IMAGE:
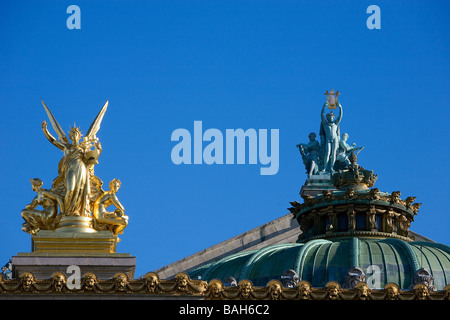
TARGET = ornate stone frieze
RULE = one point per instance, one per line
(151, 286)
(351, 212)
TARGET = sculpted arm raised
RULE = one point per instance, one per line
(340, 112)
(60, 132)
(51, 138)
(322, 115)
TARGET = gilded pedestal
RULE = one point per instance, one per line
(74, 242)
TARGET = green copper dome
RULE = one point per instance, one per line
(319, 261)
(349, 234)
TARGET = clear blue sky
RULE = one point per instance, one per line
(230, 64)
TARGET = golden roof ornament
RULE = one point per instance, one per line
(354, 176)
(332, 98)
(76, 201)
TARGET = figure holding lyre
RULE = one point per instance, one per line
(329, 134)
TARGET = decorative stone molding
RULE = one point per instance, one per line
(354, 176)
(354, 212)
(150, 286)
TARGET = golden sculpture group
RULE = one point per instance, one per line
(76, 191)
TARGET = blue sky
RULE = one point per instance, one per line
(231, 64)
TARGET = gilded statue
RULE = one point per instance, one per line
(76, 191)
(116, 221)
(36, 219)
(73, 173)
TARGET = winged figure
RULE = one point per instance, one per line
(75, 172)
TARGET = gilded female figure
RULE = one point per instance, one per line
(73, 181)
(40, 219)
(115, 221)
(73, 171)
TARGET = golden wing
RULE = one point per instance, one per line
(95, 126)
(59, 131)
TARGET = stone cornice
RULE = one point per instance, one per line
(182, 287)
(385, 214)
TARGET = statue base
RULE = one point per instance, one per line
(74, 235)
(74, 242)
(55, 242)
(75, 225)
(316, 184)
